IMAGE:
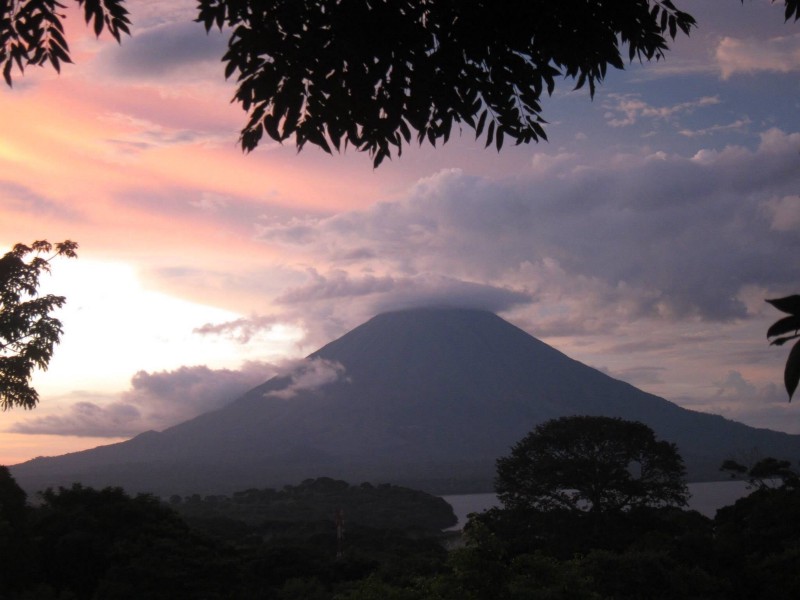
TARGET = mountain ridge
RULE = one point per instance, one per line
(428, 397)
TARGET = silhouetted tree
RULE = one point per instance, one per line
(14, 540)
(383, 506)
(643, 573)
(764, 473)
(106, 544)
(374, 74)
(28, 332)
(593, 464)
(757, 544)
(12, 499)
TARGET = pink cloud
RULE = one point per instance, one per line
(778, 55)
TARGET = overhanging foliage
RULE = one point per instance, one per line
(375, 74)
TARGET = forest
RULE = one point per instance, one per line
(327, 539)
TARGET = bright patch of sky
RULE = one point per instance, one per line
(113, 318)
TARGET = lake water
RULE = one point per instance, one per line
(705, 498)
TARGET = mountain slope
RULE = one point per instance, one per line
(425, 397)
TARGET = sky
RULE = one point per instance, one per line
(641, 239)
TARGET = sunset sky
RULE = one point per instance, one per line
(641, 239)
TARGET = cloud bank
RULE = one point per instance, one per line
(174, 49)
(740, 399)
(154, 401)
(641, 236)
(747, 56)
(161, 399)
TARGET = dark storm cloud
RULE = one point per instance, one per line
(383, 294)
(87, 418)
(198, 388)
(326, 305)
(154, 401)
(693, 231)
(172, 48)
(165, 398)
(444, 291)
(642, 236)
(337, 284)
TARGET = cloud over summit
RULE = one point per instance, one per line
(671, 237)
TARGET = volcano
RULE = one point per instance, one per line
(428, 398)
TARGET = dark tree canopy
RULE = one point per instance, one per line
(28, 332)
(12, 499)
(587, 463)
(765, 473)
(383, 506)
(374, 74)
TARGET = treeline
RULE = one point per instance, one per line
(382, 506)
(80, 543)
(749, 551)
(319, 539)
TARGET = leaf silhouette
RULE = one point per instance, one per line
(789, 304)
(784, 325)
(791, 325)
(782, 340)
(791, 374)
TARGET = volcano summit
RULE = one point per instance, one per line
(428, 398)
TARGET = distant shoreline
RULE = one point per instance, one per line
(706, 498)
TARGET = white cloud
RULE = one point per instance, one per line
(243, 329)
(784, 213)
(737, 125)
(777, 55)
(551, 164)
(738, 398)
(777, 143)
(628, 109)
(307, 374)
(211, 202)
(136, 135)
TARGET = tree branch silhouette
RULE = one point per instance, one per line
(28, 331)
